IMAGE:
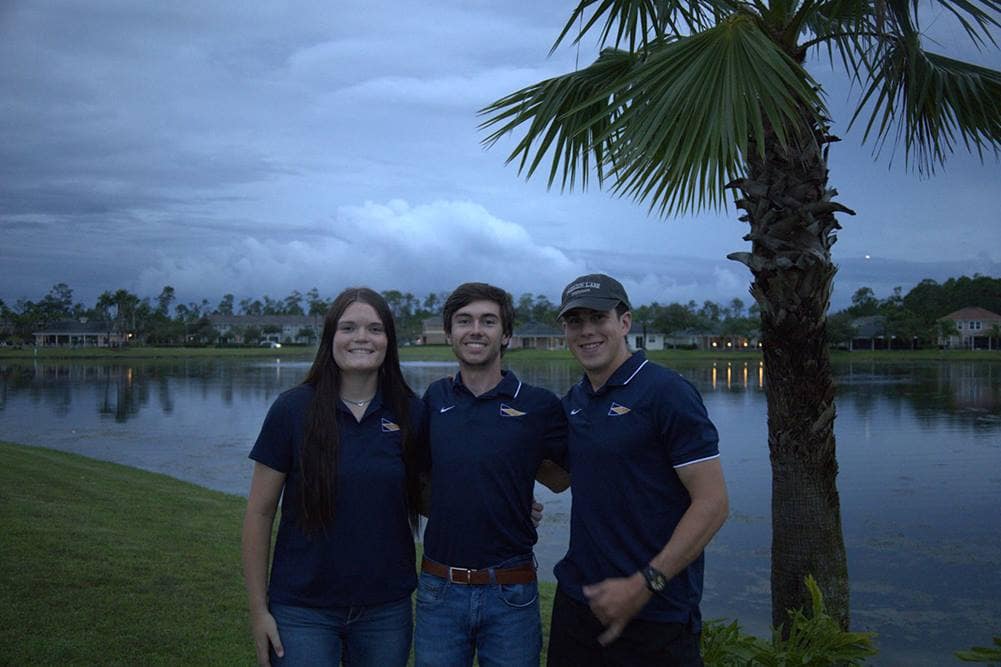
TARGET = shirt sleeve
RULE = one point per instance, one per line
(274, 443)
(686, 430)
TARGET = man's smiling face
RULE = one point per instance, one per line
(478, 334)
(596, 338)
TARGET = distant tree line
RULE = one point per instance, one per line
(163, 321)
(913, 318)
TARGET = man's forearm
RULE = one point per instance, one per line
(705, 514)
(697, 527)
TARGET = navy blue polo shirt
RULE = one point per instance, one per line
(367, 557)
(484, 454)
(625, 442)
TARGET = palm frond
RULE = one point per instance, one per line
(845, 28)
(671, 129)
(569, 114)
(690, 109)
(637, 22)
(931, 103)
(978, 17)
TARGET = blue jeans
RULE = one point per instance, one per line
(378, 636)
(500, 623)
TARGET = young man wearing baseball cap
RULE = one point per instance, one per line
(648, 495)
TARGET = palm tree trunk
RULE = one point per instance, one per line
(789, 208)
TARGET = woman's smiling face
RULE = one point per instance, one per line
(360, 340)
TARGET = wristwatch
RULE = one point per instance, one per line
(655, 579)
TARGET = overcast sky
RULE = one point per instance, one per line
(262, 147)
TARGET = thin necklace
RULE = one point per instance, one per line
(360, 404)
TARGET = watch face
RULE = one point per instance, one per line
(654, 579)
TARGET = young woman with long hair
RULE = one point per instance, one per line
(338, 450)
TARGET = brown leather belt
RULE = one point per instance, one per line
(519, 574)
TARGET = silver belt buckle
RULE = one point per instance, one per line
(467, 573)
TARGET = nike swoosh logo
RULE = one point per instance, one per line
(444, 410)
(575, 411)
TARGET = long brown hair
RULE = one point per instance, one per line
(320, 447)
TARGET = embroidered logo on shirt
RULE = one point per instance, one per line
(575, 411)
(507, 411)
(617, 410)
(388, 426)
(446, 409)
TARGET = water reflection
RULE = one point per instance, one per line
(965, 394)
(969, 391)
(727, 376)
(123, 391)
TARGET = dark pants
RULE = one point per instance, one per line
(573, 640)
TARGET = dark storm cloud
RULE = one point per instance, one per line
(82, 136)
(262, 147)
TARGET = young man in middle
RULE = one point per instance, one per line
(489, 435)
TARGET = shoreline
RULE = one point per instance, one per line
(444, 353)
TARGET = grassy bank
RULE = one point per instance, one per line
(105, 564)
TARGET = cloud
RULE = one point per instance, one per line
(418, 248)
(669, 278)
(198, 143)
(472, 91)
(381, 39)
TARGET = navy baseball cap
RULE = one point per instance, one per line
(595, 291)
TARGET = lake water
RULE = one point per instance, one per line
(919, 445)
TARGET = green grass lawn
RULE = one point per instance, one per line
(105, 564)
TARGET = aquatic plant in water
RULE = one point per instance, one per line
(815, 639)
(982, 653)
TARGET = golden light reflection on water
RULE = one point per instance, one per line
(740, 379)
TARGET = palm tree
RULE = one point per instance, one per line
(126, 304)
(995, 336)
(692, 98)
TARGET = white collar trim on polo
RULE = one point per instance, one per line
(636, 371)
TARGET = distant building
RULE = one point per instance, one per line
(651, 339)
(303, 329)
(77, 333)
(868, 333)
(432, 331)
(537, 336)
(709, 341)
(974, 328)
(685, 339)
